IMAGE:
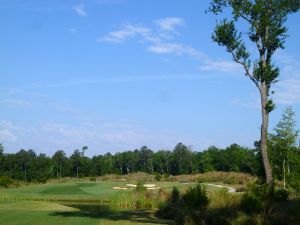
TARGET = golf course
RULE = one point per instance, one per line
(84, 203)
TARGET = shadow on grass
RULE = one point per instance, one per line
(98, 212)
(279, 213)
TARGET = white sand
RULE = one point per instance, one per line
(131, 185)
(119, 188)
(153, 188)
(149, 185)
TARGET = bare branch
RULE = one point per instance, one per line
(248, 73)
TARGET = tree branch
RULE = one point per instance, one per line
(248, 73)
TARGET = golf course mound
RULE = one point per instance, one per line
(36, 206)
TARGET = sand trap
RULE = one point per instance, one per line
(149, 185)
(123, 179)
(153, 188)
(120, 188)
(131, 185)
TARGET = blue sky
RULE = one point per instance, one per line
(118, 74)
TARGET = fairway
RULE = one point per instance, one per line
(75, 203)
(48, 213)
(102, 190)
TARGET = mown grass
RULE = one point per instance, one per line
(48, 213)
(68, 201)
(73, 191)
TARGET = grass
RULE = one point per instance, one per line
(48, 213)
(70, 202)
(73, 191)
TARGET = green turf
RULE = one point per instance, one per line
(100, 189)
(17, 207)
(47, 213)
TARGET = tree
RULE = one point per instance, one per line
(84, 149)
(182, 159)
(266, 30)
(1, 155)
(76, 160)
(283, 142)
(59, 158)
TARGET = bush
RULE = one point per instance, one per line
(157, 176)
(175, 196)
(196, 198)
(166, 176)
(93, 179)
(262, 192)
(188, 209)
(140, 186)
(5, 181)
(281, 195)
(42, 180)
(250, 204)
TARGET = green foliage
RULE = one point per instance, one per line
(140, 186)
(157, 176)
(283, 151)
(281, 195)
(196, 198)
(185, 209)
(93, 179)
(175, 196)
(250, 203)
(5, 181)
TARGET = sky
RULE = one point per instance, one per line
(115, 75)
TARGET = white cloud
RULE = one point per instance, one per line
(287, 90)
(221, 65)
(18, 102)
(6, 132)
(169, 23)
(73, 30)
(159, 43)
(250, 103)
(126, 31)
(80, 10)
(7, 136)
(175, 48)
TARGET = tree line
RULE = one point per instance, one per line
(27, 165)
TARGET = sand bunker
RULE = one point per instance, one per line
(133, 186)
(120, 188)
(149, 185)
(153, 188)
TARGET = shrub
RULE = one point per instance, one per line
(5, 181)
(140, 186)
(157, 176)
(281, 195)
(166, 176)
(42, 179)
(196, 198)
(250, 204)
(93, 179)
(262, 192)
(175, 196)
(241, 189)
